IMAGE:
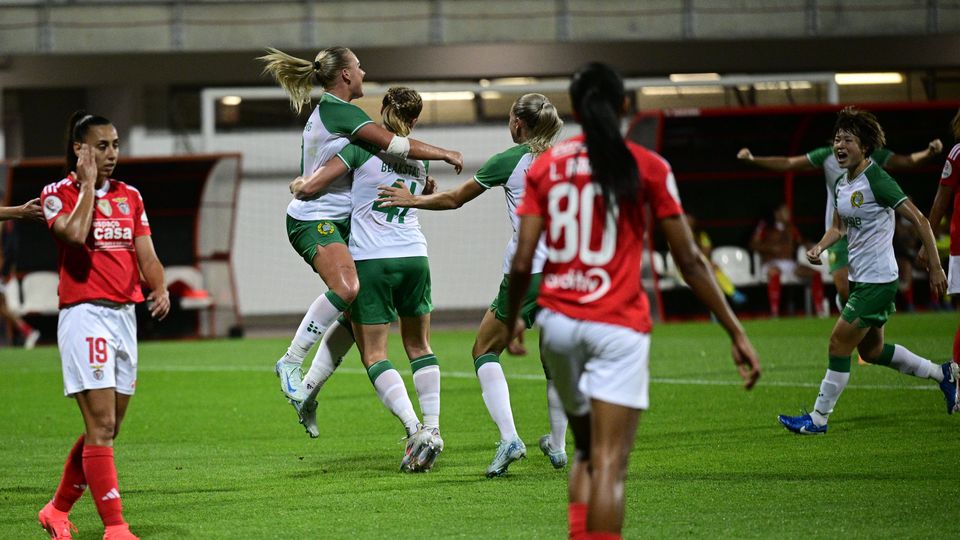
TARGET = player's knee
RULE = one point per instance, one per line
(102, 432)
(347, 290)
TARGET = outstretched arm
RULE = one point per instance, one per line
(376, 135)
(933, 148)
(29, 210)
(698, 274)
(444, 200)
(776, 163)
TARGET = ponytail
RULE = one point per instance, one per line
(77, 127)
(297, 76)
(597, 93)
(401, 106)
(541, 118)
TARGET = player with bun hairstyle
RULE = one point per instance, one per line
(866, 199)
(103, 239)
(534, 124)
(589, 193)
(318, 228)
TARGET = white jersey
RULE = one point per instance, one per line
(866, 206)
(509, 170)
(824, 158)
(383, 232)
(332, 125)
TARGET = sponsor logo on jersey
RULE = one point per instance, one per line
(947, 170)
(326, 228)
(595, 282)
(104, 206)
(309, 126)
(856, 199)
(143, 219)
(111, 232)
(52, 206)
(122, 205)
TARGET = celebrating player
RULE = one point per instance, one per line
(534, 124)
(391, 260)
(866, 198)
(948, 189)
(104, 244)
(589, 194)
(318, 228)
(824, 158)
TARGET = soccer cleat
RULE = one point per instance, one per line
(291, 379)
(801, 424)
(414, 446)
(507, 453)
(30, 341)
(951, 373)
(558, 458)
(307, 411)
(55, 522)
(431, 449)
(119, 532)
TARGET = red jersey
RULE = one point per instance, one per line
(593, 262)
(105, 266)
(951, 177)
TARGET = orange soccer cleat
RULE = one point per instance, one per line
(55, 522)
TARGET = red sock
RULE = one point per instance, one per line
(956, 346)
(102, 477)
(73, 482)
(603, 535)
(816, 292)
(577, 520)
(24, 328)
(773, 293)
(908, 294)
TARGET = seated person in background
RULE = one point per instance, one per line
(777, 240)
(706, 247)
(11, 243)
(906, 243)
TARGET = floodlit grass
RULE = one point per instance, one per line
(209, 448)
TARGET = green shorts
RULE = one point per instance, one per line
(870, 304)
(392, 287)
(837, 255)
(530, 308)
(305, 236)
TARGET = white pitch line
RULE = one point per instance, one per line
(538, 377)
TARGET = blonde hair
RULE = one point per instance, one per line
(541, 118)
(401, 106)
(298, 76)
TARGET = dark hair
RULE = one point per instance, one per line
(955, 125)
(597, 93)
(77, 128)
(864, 126)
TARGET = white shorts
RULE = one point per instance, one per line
(953, 275)
(98, 348)
(593, 360)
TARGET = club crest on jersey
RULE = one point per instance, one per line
(98, 374)
(326, 228)
(122, 205)
(104, 206)
(52, 206)
(947, 170)
(856, 199)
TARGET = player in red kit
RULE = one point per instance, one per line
(589, 194)
(949, 192)
(104, 244)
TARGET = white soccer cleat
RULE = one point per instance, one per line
(307, 411)
(558, 458)
(291, 379)
(507, 453)
(30, 341)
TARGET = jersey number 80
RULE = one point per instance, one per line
(564, 202)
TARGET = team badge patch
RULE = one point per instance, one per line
(856, 199)
(52, 206)
(104, 206)
(947, 170)
(122, 205)
(98, 374)
(326, 228)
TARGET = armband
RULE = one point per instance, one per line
(399, 146)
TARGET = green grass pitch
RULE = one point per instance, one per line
(209, 448)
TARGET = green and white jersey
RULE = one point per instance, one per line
(509, 170)
(824, 158)
(866, 206)
(383, 233)
(332, 125)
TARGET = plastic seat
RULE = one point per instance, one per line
(734, 261)
(39, 290)
(186, 283)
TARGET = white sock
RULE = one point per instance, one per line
(906, 362)
(830, 388)
(322, 314)
(496, 396)
(336, 343)
(393, 393)
(558, 418)
(426, 380)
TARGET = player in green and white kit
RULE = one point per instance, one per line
(866, 200)
(824, 158)
(390, 254)
(534, 124)
(318, 226)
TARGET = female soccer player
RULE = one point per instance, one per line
(318, 228)
(589, 194)
(390, 254)
(866, 199)
(949, 191)
(534, 124)
(104, 244)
